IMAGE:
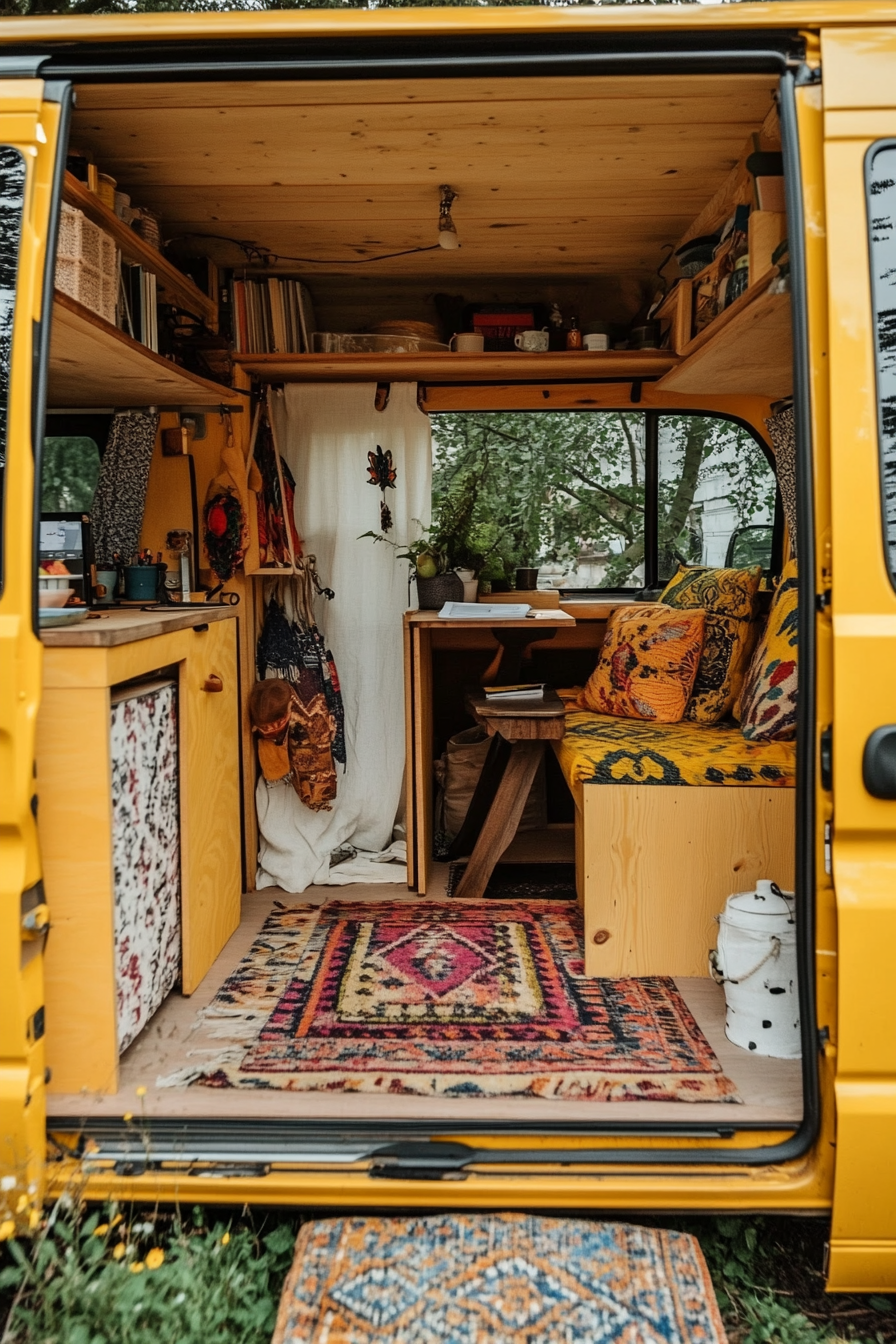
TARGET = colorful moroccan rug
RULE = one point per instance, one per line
(523, 882)
(505, 1278)
(453, 999)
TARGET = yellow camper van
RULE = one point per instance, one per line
(258, 271)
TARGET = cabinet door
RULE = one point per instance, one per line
(210, 797)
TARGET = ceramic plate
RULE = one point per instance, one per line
(53, 617)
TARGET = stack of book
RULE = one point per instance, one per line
(138, 307)
(272, 317)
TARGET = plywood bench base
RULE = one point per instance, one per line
(655, 865)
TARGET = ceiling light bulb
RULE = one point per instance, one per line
(447, 232)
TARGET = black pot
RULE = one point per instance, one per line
(526, 580)
(434, 593)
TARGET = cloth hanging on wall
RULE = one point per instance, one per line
(782, 432)
(120, 498)
(325, 432)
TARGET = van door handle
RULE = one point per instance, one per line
(213, 683)
(879, 763)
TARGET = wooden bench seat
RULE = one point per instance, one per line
(670, 820)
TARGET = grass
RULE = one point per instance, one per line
(132, 1277)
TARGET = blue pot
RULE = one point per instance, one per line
(141, 582)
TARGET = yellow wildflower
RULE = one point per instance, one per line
(119, 1251)
(34, 1219)
(225, 1239)
(21, 1204)
(155, 1258)
(117, 1219)
(127, 1117)
(137, 1267)
(7, 1229)
(101, 1230)
(141, 1091)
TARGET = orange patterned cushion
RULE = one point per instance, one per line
(647, 665)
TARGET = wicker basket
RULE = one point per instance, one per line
(87, 263)
(434, 593)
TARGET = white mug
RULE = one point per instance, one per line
(467, 343)
(532, 341)
(597, 340)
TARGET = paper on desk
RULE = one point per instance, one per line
(484, 611)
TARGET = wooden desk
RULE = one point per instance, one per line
(424, 634)
(526, 725)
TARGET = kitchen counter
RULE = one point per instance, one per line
(108, 629)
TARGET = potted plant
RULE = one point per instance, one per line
(451, 553)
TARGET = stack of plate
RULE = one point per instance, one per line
(402, 327)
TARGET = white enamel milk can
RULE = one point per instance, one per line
(755, 961)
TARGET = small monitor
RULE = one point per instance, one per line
(67, 537)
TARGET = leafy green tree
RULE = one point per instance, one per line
(69, 473)
(559, 483)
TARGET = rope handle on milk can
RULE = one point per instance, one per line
(721, 979)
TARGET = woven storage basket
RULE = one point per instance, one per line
(87, 263)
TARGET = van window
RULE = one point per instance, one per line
(881, 191)
(70, 468)
(569, 491)
(716, 495)
(560, 489)
(12, 199)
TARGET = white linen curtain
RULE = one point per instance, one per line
(325, 431)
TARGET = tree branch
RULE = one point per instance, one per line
(605, 490)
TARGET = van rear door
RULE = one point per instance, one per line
(860, 173)
(33, 128)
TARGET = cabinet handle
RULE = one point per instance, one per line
(213, 683)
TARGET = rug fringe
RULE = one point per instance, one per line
(194, 1073)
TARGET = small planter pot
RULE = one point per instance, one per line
(470, 582)
(142, 582)
(434, 593)
(526, 580)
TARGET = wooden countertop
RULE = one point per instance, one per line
(124, 626)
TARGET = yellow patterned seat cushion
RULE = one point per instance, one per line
(601, 749)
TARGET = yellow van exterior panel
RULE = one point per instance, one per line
(861, 1266)
(28, 124)
(865, 1183)
(858, 66)
(432, 22)
(800, 1187)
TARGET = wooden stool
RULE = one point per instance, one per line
(519, 730)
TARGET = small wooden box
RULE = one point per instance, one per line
(766, 230)
(676, 311)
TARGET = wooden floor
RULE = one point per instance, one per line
(770, 1088)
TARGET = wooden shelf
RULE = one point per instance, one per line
(575, 366)
(747, 349)
(92, 363)
(177, 287)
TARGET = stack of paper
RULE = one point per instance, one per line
(484, 611)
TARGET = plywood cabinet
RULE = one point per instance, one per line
(74, 785)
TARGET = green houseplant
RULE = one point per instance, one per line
(454, 541)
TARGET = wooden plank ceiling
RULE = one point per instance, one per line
(555, 177)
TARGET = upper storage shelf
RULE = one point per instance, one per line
(92, 363)
(748, 348)
(573, 366)
(177, 288)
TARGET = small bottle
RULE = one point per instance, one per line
(573, 336)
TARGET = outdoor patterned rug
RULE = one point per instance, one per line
(504, 1278)
(523, 881)
(455, 999)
